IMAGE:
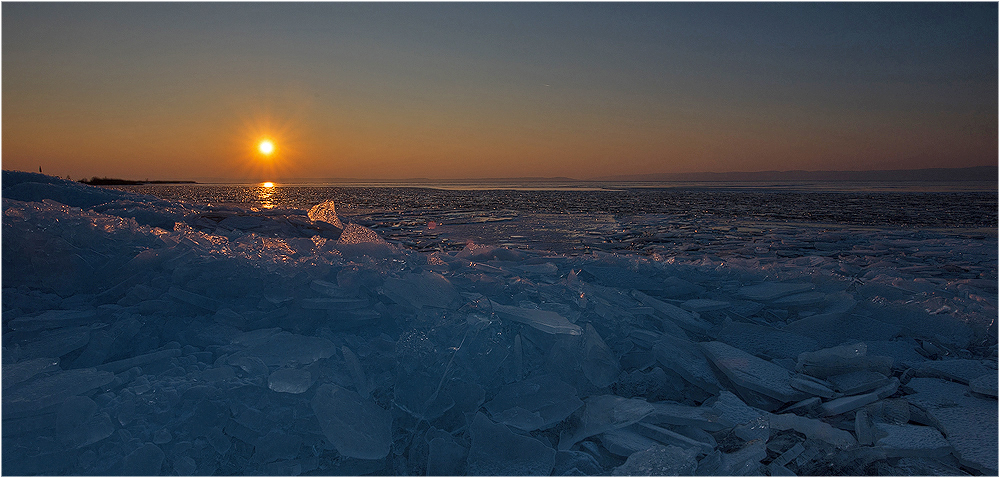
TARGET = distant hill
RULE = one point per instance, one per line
(979, 173)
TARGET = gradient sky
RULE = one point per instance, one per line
(457, 90)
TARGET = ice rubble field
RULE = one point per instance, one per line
(145, 337)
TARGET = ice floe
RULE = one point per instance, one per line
(143, 336)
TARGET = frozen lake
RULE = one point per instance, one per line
(531, 330)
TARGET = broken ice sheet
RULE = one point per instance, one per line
(600, 365)
(428, 289)
(498, 451)
(911, 440)
(544, 320)
(659, 460)
(545, 396)
(358, 428)
(605, 412)
(687, 360)
(968, 422)
(36, 395)
(751, 372)
(290, 380)
(15, 373)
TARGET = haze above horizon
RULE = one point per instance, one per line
(457, 90)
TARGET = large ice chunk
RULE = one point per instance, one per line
(53, 319)
(544, 320)
(852, 402)
(968, 422)
(959, 370)
(680, 317)
(704, 417)
(985, 384)
(911, 440)
(752, 373)
(326, 212)
(54, 343)
(858, 381)
(600, 365)
(659, 460)
(812, 428)
(688, 361)
(78, 424)
(357, 427)
(290, 380)
(842, 359)
(54, 389)
(15, 373)
(428, 289)
(535, 403)
(605, 412)
(497, 451)
(145, 461)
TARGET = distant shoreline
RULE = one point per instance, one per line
(978, 173)
(95, 181)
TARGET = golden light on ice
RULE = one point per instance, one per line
(266, 147)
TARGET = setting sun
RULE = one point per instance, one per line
(266, 147)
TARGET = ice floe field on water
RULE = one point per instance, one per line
(406, 331)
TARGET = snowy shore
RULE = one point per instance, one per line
(145, 337)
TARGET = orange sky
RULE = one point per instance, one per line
(393, 91)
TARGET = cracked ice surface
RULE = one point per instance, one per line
(153, 336)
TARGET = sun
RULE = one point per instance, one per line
(266, 147)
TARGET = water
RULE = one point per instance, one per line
(571, 217)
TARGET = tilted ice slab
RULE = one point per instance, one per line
(15, 373)
(752, 373)
(682, 318)
(687, 360)
(969, 423)
(959, 370)
(44, 392)
(985, 384)
(605, 412)
(357, 427)
(814, 429)
(535, 403)
(659, 460)
(544, 320)
(498, 451)
(428, 289)
(52, 319)
(911, 440)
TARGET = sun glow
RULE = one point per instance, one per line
(268, 184)
(266, 147)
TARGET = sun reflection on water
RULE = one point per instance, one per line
(264, 194)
